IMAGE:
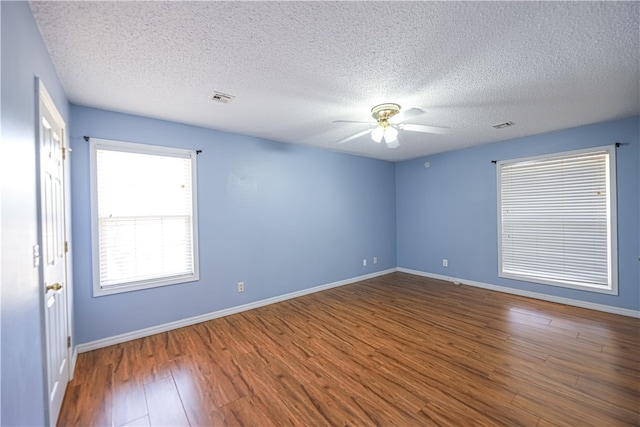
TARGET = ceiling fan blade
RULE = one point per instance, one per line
(352, 137)
(353, 121)
(403, 116)
(426, 129)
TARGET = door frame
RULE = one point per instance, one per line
(41, 94)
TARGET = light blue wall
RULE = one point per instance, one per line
(450, 209)
(23, 58)
(279, 217)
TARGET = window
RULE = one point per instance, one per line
(556, 220)
(144, 224)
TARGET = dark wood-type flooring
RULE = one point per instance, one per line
(397, 350)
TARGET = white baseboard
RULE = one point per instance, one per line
(545, 297)
(117, 339)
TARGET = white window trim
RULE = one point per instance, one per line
(612, 241)
(105, 144)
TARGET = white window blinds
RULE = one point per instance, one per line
(144, 219)
(556, 220)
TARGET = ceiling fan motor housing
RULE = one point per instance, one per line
(383, 112)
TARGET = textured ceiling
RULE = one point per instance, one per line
(295, 67)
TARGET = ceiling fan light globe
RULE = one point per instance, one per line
(390, 134)
(392, 144)
(377, 134)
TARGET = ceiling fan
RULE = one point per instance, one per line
(387, 129)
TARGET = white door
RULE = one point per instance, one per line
(52, 217)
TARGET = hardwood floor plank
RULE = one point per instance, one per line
(165, 406)
(128, 398)
(206, 342)
(140, 422)
(602, 372)
(611, 393)
(397, 350)
(334, 407)
(547, 345)
(224, 386)
(369, 408)
(516, 374)
(455, 413)
(250, 412)
(267, 386)
(129, 403)
(377, 396)
(565, 411)
(89, 402)
(194, 390)
(152, 363)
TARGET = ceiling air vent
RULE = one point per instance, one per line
(222, 97)
(503, 125)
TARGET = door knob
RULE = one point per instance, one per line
(55, 287)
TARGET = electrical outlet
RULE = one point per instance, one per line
(375, 259)
(445, 263)
(364, 262)
(240, 286)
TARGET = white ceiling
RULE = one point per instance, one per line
(295, 67)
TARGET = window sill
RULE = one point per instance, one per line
(100, 291)
(613, 290)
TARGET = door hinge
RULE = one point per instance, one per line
(66, 246)
(68, 342)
